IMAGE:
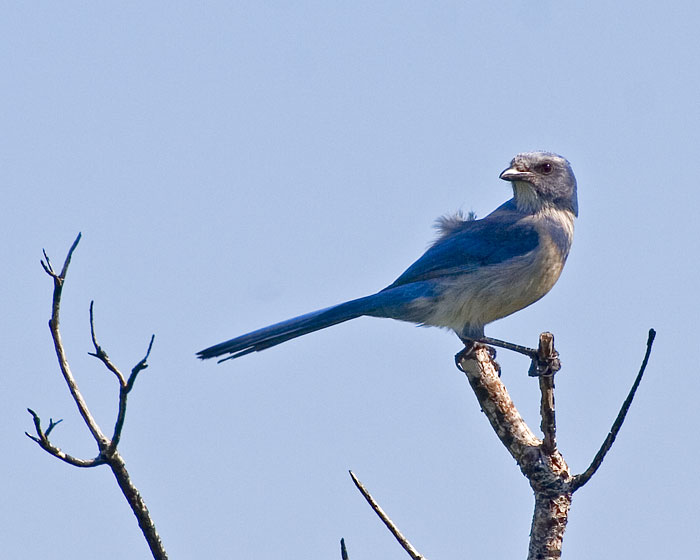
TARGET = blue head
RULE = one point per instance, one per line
(542, 180)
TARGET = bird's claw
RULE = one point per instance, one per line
(544, 366)
(468, 353)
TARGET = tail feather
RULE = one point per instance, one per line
(286, 330)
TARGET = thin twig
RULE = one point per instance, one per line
(99, 353)
(52, 425)
(343, 551)
(581, 479)
(123, 394)
(403, 541)
(140, 366)
(42, 438)
(125, 386)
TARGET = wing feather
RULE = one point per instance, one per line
(466, 246)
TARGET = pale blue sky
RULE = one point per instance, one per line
(234, 164)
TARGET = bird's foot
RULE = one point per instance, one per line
(547, 365)
(541, 364)
(469, 350)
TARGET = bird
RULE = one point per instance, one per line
(475, 272)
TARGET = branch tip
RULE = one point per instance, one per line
(139, 366)
(545, 362)
(70, 255)
(581, 479)
(150, 346)
(48, 267)
(52, 425)
(403, 541)
(46, 264)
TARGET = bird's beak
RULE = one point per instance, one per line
(514, 174)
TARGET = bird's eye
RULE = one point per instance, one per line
(546, 168)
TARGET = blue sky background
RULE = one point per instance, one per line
(234, 164)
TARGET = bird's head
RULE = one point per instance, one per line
(541, 180)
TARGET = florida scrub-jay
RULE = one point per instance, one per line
(476, 271)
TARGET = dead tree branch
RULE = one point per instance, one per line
(107, 448)
(539, 460)
(546, 355)
(42, 438)
(58, 280)
(403, 541)
(581, 479)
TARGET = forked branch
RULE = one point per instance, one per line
(42, 438)
(539, 460)
(107, 448)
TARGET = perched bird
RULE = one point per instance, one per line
(476, 271)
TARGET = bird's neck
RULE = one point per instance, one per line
(526, 200)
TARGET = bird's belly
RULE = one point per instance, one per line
(492, 292)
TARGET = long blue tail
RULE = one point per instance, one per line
(291, 328)
(395, 302)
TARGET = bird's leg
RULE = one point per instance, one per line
(471, 346)
(530, 352)
(541, 364)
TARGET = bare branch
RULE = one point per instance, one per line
(99, 353)
(108, 453)
(548, 424)
(548, 525)
(138, 506)
(46, 265)
(581, 479)
(52, 425)
(60, 351)
(123, 394)
(49, 268)
(496, 403)
(403, 541)
(343, 551)
(545, 468)
(125, 385)
(42, 438)
(140, 366)
(545, 355)
(70, 255)
(546, 359)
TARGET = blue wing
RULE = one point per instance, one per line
(470, 244)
